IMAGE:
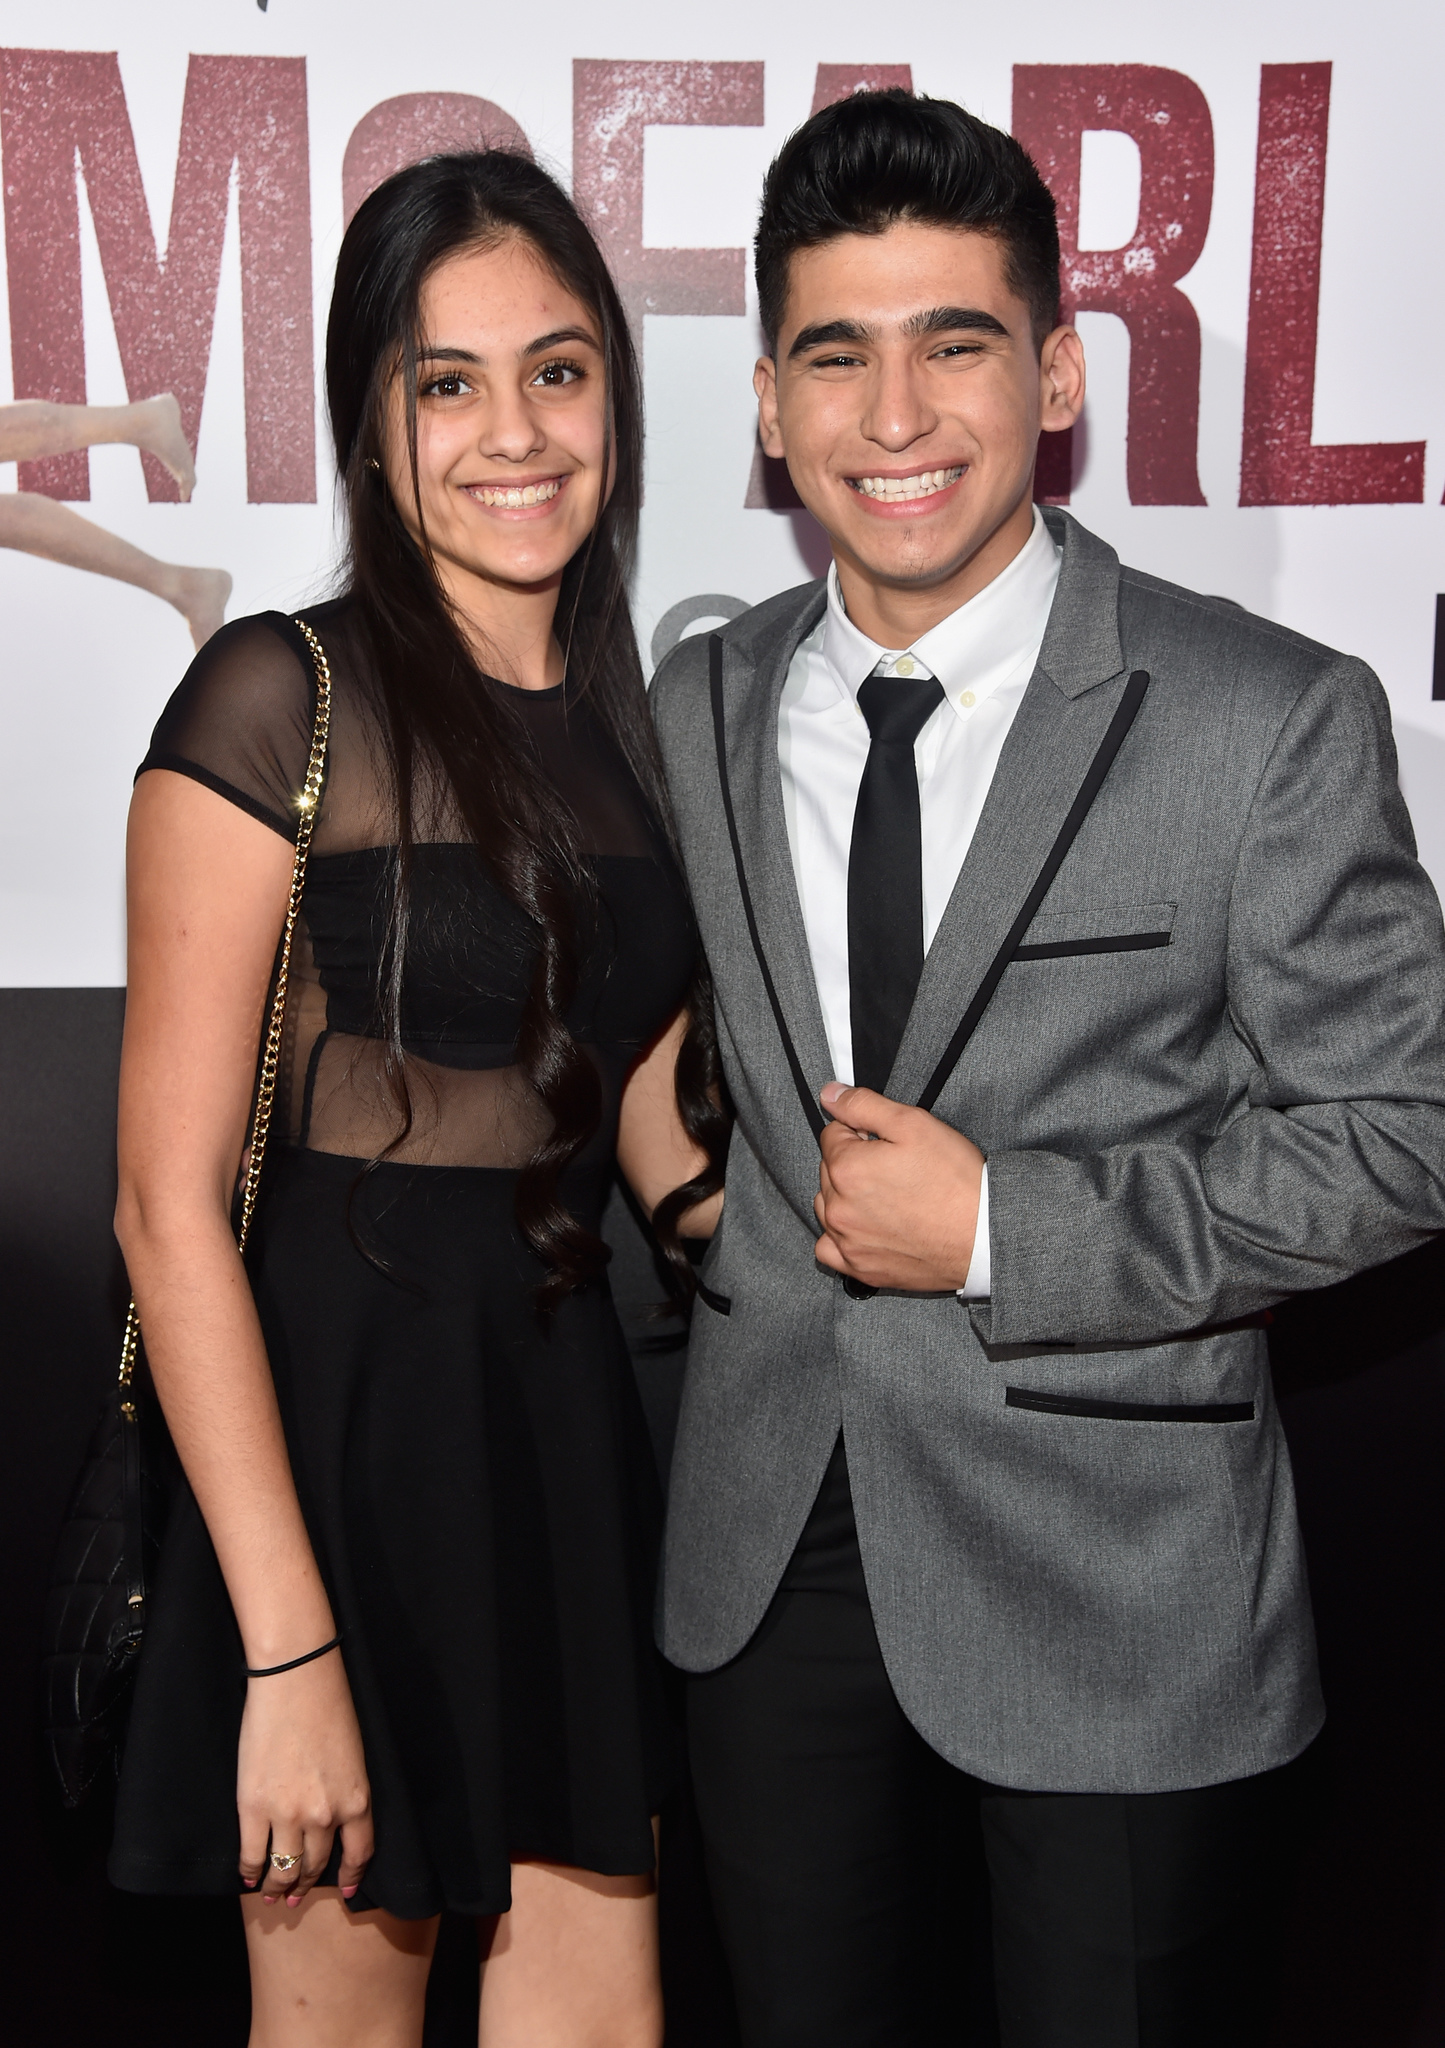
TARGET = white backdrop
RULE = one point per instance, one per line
(88, 662)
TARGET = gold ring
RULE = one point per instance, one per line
(280, 1862)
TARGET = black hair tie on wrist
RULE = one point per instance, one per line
(273, 1670)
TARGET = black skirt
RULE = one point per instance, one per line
(482, 1499)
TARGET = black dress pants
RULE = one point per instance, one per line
(839, 1847)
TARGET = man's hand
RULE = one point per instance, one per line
(900, 1212)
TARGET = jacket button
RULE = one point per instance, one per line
(859, 1289)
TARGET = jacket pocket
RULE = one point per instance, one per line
(1129, 1411)
(1124, 928)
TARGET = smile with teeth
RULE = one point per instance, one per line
(892, 489)
(511, 496)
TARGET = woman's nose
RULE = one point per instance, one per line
(509, 427)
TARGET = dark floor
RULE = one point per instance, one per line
(1360, 1378)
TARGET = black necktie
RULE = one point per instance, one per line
(885, 874)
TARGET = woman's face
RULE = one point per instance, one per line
(511, 418)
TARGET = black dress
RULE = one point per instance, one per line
(477, 1480)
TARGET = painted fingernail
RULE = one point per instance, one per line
(292, 1899)
(268, 1898)
(349, 1891)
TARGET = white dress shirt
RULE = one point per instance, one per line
(983, 654)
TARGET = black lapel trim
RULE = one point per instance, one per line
(812, 1110)
(1103, 761)
(1124, 716)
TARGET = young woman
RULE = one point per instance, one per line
(409, 1429)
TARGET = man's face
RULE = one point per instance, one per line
(907, 397)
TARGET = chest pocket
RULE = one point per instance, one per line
(1121, 928)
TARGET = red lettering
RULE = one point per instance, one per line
(1281, 464)
(402, 131)
(1054, 468)
(770, 488)
(613, 104)
(247, 111)
(1168, 117)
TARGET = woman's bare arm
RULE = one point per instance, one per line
(207, 890)
(653, 1149)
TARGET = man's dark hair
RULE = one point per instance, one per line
(878, 157)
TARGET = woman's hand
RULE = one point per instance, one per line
(301, 1777)
(654, 1152)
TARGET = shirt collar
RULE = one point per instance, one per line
(976, 648)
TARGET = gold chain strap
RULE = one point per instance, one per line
(308, 805)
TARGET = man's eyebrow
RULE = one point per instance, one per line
(826, 332)
(937, 320)
(950, 319)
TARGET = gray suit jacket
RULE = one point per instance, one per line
(1074, 1502)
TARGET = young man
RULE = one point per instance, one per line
(981, 1463)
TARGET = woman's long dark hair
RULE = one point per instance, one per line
(438, 707)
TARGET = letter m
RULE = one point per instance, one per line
(65, 110)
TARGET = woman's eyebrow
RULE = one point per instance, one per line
(557, 337)
(442, 352)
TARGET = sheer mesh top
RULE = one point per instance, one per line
(241, 722)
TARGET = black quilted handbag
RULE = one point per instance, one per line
(96, 1613)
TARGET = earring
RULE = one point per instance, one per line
(372, 463)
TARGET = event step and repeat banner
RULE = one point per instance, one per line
(1249, 199)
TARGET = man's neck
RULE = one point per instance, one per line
(896, 614)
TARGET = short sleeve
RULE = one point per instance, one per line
(240, 720)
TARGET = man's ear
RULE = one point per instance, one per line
(765, 383)
(1061, 380)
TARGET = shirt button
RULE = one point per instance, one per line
(904, 665)
(967, 700)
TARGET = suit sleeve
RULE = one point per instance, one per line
(1335, 1159)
